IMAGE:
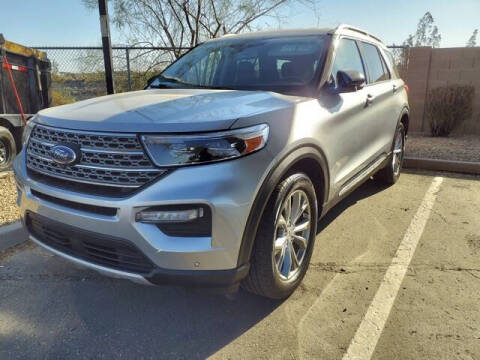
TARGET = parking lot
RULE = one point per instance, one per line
(51, 309)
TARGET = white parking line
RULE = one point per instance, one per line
(365, 340)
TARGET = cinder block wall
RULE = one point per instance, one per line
(429, 68)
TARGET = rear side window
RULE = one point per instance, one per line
(375, 65)
(393, 66)
(347, 58)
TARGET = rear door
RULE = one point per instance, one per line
(380, 100)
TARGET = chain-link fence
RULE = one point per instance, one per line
(78, 72)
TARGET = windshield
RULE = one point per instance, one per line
(287, 64)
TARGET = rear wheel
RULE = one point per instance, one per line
(285, 238)
(391, 172)
(8, 149)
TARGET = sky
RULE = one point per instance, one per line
(69, 23)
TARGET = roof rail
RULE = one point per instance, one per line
(352, 28)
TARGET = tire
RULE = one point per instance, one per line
(8, 149)
(391, 172)
(268, 276)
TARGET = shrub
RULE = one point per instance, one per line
(61, 98)
(447, 107)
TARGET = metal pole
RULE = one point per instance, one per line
(107, 45)
(127, 55)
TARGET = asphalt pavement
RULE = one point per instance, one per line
(50, 309)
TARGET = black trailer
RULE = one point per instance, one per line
(24, 90)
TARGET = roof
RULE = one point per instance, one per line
(341, 29)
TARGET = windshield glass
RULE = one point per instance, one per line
(286, 64)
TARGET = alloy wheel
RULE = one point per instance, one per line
(398, 152)
(292, 232)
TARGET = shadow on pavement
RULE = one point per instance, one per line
(81, 314)
(369, 188)
(67, 313)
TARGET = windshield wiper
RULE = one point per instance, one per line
(170, 82)
(166, 81)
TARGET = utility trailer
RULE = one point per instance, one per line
(24, 90)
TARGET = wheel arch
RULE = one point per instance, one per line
(404, 119)
(306, 158)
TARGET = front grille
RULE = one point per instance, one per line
(107, 160)
(92, 247)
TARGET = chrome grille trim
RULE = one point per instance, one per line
(110, 141)
(119, 160)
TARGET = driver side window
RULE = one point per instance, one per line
(347, 57)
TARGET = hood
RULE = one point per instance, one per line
(164, 110)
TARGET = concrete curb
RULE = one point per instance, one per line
(442, 165)
(11, 235)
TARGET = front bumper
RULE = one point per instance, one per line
(228, 188)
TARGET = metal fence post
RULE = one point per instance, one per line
(129, 79)
(107, 46)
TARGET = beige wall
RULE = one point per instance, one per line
(429, 68)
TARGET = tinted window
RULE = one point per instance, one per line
(385, 68)
(376, 69)
(278, 64)
(393, 66)
(347, 58)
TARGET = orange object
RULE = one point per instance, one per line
(253, 144)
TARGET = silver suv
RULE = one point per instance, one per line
(218, 172)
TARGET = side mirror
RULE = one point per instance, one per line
(350, 80)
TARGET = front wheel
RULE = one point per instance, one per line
(285, 238)
(391, 172)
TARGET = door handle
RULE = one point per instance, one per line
(370, 99)
(395, 88)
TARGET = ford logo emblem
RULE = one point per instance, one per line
(63, 155)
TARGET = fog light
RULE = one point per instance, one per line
(169, 216)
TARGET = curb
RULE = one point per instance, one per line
(442, 165)
(12, 235)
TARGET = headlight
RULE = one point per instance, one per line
(27, 131)
(177, 150)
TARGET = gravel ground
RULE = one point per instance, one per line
(464, 148)
(8, 195)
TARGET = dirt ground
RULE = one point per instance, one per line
(460, 148)
(8, 195)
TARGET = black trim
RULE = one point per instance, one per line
(301, 151)
(200, 278)
(94, 209)
(98, 249)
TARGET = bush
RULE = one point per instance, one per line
(61, 98)
(448, 107)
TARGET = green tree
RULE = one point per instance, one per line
(472, 42)
(427, 33)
